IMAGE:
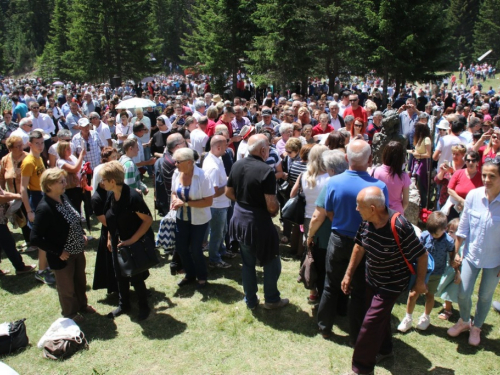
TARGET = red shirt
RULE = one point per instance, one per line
(210, 130)
(359, 112)
(319, 130)
(463, 184)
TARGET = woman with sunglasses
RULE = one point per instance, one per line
(446, 171)
(192, 196)
(481, 230)
(492, 148)
(358, 129)
(463, 181)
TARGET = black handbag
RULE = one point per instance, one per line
(138, 257)
(16, 339)
(294, 210)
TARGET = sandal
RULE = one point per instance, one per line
(4, 272)
(445, 315)
(284, 240)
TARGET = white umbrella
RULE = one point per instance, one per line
(135, 103)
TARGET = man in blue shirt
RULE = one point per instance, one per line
(20, 109)
(340, 205)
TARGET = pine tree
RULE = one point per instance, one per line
(461, 17)
(113, 38)
(487, 29)
(285, 49)
(221, 32)
(413, 52)
(51, 63)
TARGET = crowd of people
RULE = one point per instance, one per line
(226, 168)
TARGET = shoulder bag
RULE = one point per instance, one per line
(411, 267)
(295, 209)
(308, 274)
(138, 257)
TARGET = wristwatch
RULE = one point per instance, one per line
(186, 204)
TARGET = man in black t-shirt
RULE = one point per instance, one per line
(387, 274)
(252, 185)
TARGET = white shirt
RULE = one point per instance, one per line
(312, 194)
(200, 188)
(104, 133)
(445, 144)
(43, 122)
(147, 122)
(335, 122)
(215, 172)
(342, 108)
(199, 140)
(123, 130)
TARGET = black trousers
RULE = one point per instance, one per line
(337, 259)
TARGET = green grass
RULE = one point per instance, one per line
(212, 332)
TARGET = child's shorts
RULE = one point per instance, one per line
(433, 283)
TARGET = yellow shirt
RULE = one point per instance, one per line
(420, 148)
(33, 168)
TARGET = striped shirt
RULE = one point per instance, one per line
(132, 176)
(386, 269)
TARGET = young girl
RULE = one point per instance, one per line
(448, 286)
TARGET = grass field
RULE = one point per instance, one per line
(212, 332)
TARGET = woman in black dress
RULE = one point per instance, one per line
(104, 273)
(128, 219)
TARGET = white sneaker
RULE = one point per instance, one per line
(423, 323)
(405, 324)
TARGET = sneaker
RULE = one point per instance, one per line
(405, 324)
(254, 306)
(474, 336)
(276, 305)
(496, 306)
(143, 313)
(220, 264)
(228, 255)
(313, 299)
(26, 269)
(118, 311)
(45, 277)
(458, 328)
(90, 238)
(423, 322)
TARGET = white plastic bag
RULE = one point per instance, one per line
(62, 328)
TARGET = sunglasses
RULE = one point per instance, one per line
(177, 162)
(88, 146)
(358, 125)
(495, 160)
(494, 137)
(35, 107)
(471, 160)
(353, 100)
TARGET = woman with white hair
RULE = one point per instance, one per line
(192, 196)
(286, 131)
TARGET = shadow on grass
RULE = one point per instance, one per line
(99, 327)
(289, 318)
(162, 327)
(221, 292)
(409, 360)
(19, 284)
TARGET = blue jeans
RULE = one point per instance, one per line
(188, 243)
(489, 281)
(147, 156)
(218, 229)
(34, 198)
(272, 271)
(8, 245)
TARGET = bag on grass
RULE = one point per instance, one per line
(294, 210)
(13, 336)
(64, 348)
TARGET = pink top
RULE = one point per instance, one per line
(394, 185)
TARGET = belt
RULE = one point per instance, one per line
(342, 235)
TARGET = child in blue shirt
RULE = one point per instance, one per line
(441, 246)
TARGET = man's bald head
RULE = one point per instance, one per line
(372, 196)
(218, 145)
(256, 143)
(358, 154)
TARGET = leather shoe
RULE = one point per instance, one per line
(185, 282)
